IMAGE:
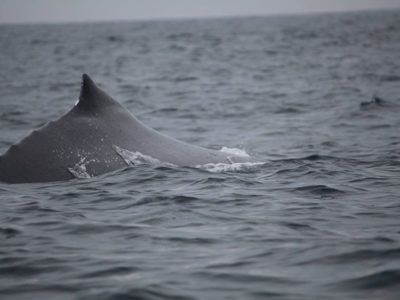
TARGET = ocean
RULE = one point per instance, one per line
(314, 98)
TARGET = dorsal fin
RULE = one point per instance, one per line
(92, 97)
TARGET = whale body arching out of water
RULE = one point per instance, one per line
(91, 139)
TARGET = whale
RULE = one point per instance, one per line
(97, 136)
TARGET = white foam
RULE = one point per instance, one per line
(235, 151)
(233, 167)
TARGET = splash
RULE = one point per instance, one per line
(235, 151)
(232, 167)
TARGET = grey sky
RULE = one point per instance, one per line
(97, 10)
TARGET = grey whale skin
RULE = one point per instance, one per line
(88, 135)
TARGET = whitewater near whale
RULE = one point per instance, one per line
(95, 137)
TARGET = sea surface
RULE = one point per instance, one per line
(315, 98)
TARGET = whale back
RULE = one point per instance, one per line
(83, 142)
(48, 153)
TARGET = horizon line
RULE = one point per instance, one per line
(194, 17)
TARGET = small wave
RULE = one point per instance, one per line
(177, 36)
(93, 227)
(390, 78)
(319, 157)
(117, 271)
(39, 41)
(252, 277)
(115, 38)
(288, 110)
(183, 78)
(146, 291)
(311, 157)
(374, 102)
(363, 255)
(321, 190)
(9, 232)
(378, 103)
(378, 280)
(231, 167)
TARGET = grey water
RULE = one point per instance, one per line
(316, 98)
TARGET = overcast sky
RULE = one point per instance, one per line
(107, 10)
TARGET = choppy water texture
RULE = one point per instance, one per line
(318, 220)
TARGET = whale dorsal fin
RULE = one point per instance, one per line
(92, 97)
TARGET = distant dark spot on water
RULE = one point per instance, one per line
(288, 110)
(311, 157)
(12, 113)
(271, 52)
(168, 109)
(179, 36)
(297, 226)
(130, 88)
(390, 78)
(374, 102)
(115, 38)
(9, 232)
(175, 47)
(38, 41)
(361, 255)
(274, 95)
(176, 79)
(318, 190)
(377, 280)
(188, 78)
(109, 271)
